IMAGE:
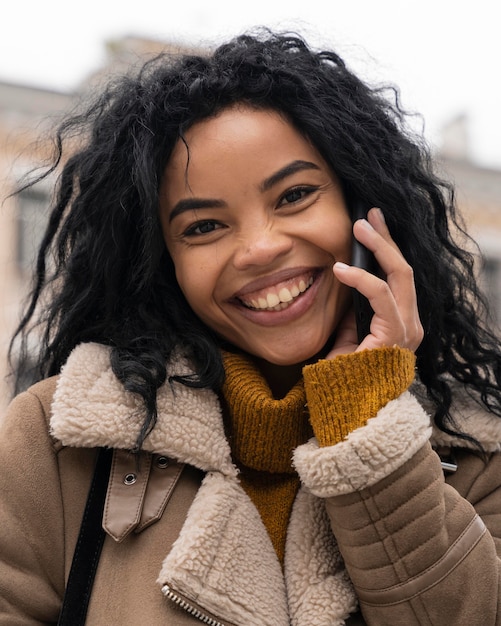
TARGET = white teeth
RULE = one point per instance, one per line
(285, 295)
(280, 301)
(272, 300)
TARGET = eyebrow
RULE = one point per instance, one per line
(288, 170)
(193, 204)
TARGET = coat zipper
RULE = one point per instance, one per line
(189, 608)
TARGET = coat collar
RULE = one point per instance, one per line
(223, 562)
(92, 409)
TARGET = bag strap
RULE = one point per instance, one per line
(88, 547)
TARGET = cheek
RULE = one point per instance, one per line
(197, 284)
(337, 238)
(344, 236)
(189, 285)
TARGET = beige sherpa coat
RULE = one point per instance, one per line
(185, 543)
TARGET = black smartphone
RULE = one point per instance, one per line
(362, 257)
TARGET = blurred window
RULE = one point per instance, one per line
(32, 216)
(491, 271)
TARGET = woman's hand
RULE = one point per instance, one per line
(396, 317)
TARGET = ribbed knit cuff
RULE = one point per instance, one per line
(343, 393)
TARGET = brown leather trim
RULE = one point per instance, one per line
(138, 492)
(126, 489)
(403, 592)
(164, 475)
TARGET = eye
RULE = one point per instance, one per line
(296, 194)
(202, 228)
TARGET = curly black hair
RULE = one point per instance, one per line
(103, 272)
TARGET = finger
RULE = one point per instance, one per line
(399, 274)
(379, 294)
(376, 219)
(391, 324)
(379, 241)
(374, 234)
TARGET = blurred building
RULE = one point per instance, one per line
(27, 113)
(28, 117)
(479, 199)
(25, 116)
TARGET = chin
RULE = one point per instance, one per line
(298, 354)
(295, 358)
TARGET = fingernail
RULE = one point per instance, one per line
(380, 214)
(367, 225)
(340, 265)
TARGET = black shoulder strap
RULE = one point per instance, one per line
(88, 548)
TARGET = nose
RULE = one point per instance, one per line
(261, 245)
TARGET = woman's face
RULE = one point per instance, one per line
(254, 220)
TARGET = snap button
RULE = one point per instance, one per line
(162, 462)
(130, 479)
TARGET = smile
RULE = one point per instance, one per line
(277, 298)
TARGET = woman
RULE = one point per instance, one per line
(268, 466)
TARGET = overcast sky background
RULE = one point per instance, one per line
(443, 54)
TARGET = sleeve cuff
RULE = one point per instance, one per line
(343, 393)
(368, 454)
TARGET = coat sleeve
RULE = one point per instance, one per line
(31, 517)
(418, 550)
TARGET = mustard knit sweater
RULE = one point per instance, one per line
(334, 398)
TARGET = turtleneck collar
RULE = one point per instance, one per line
(263, 431)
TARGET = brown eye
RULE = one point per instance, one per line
(202, 228)
(206, 227)
(296, 195)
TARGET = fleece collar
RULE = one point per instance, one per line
(92, 409)
(223, 562)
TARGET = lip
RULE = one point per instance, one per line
(295, 310)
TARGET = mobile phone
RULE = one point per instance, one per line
(363, 258)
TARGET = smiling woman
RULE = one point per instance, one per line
(254, 220)
(193, 306)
